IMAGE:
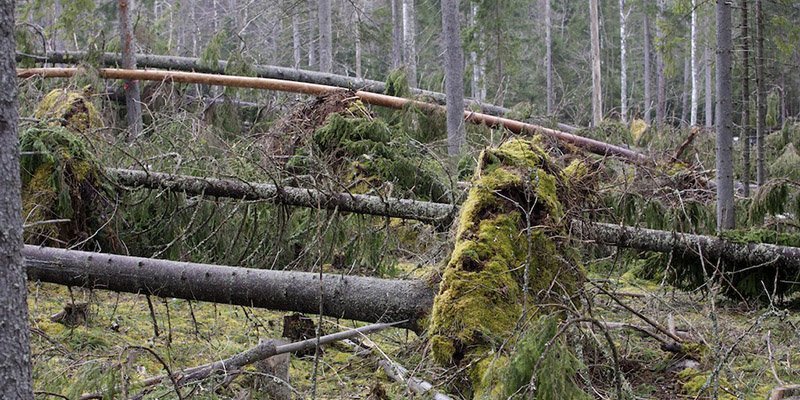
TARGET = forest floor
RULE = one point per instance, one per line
(753, 348)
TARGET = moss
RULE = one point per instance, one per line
(480, 296)
(693, 383)
(70, 109)
(397, 84)
(788, 164)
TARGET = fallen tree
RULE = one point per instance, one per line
(428, 212)
(350, 297)
(590, 145)
(190, 64)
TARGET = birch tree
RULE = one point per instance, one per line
(15, 359)
(623, 69)
(409, 42)
(597, 92)
(693, 55)
(725, 205)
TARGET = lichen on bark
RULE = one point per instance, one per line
(480, 301)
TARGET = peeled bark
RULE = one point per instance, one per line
(350, 297)
(435, 213)
(133, 103)
(454, 77)
(726, 217)
(597, 91)
(518, 127)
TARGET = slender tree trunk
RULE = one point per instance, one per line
(548, 58)
(661, 83)
(15, 350)
(325, 36)
(761, 98)
(687, 70)
(709, 92)
(397, 33)
(313, 44)
(597, 91)
(357, 4)
(725, 205)
(296, 40)
(623, 68)
(746, 132)
(473, 54)
(409, 42)
(695, 80)
(454, 77)
(133, 102)
(647, 57)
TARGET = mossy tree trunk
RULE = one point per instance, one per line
(504, 264)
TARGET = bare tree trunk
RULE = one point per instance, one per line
(725, 205)
(475, 82)
(358, 4)
(454, 77)
(15, 350)
(746, 132)
(325, 36)
(409, 42)
(133, 102)
(296, 40)
(661, 83)
(761, 98)
(648, 100)
(687, 70)
(597, 91)
(313, 37)
(548, 58)
(709, 88)
(623, 68)
(397, 33)
(350, 297)
(693, 55)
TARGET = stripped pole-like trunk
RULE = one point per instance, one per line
(761, 98)
(745, 100)
(726, 217)
(325, 36)
(133, 102)
(590, 145)
(647, 55)
(548, 57)
(693, 55)
(623, 68)
(409, 42)
(454, 77)
(350, 297)
(597, 91)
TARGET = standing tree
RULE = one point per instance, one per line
(648, 100)
(761, 98)
(15, 362)
(623, 67)
(661, 82)
(693, 55)
(745, 100)
(409, 42)
(397, 33)
(325, 36)
(597, 92)
(133, 102)
(548, 57)
(725, 205)
(454, 76)
(296, 40)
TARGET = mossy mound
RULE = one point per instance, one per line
(70, 109)
(61, 183)
(365, 152)
(513, 207)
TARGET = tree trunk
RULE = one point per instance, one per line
(709, 88)
(648, 100)
(454, 77)
(438, 213)
(133, 103)
(409, 42)
(381, 100)
(397, 33)
(296, 40)
(661, 83)
(350, 297)
(693, 55)
(548, 58)
(687, 70)
(761, 98)
(725, 205)
(357, 4)
(325, 36)
(597, 91)
(15, 350)
(476, 89)
(623, 68)
(745, 101)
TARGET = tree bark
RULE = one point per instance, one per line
(623, 68)
(325, 36)
(725, 204)
(647, 55)
(693, 55)
(761, 98)
(687, 70)
(745, 100)
(428, 212)
(548, 57)
(296, 40)
(454, 77)
(590, 145)
(133, 103)
(661, 83)
(397, 33)
(597, 91)
(709, 114)
(350, 297)
(409, 42)
(15, 353)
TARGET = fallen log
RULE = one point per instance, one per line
(350, 297)
(190, 64)
(434, 213)
(590, 145)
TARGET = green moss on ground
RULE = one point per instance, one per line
(70, 109)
